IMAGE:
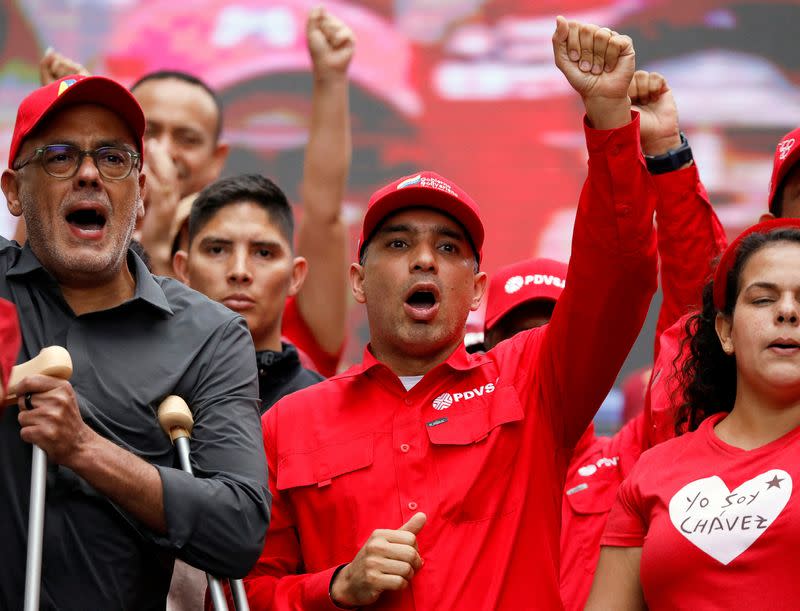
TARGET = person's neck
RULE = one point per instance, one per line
(404, 364)
(271, 340)
(758, 418)
(94, 297)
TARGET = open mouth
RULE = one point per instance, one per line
(422, 299)
(87, 219)
(422, 303)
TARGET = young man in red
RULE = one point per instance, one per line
(427, 478)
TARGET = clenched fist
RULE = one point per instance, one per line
(330, 43)
(651, 96)
(599, 64)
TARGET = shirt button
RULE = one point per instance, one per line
(404, 447)
(616, 149)
(412, 506)
(408, 401)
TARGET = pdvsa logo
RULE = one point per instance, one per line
(591, 469)
(785, 147)
(445, 400)
(515, 283)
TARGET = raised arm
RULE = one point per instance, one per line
(612, 271)
(690, 235)
(321, 233)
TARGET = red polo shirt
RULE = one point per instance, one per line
(480, 444)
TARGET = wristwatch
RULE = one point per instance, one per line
(672, 160)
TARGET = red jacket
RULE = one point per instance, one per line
(9, 342)
(689, 237)
(480, 444)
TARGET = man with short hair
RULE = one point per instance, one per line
(241, 254)
(427, 478)
(117, 510)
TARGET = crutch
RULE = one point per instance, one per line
(53, 361)
(176, 420)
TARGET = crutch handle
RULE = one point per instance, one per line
(51, 361)
(175, 417)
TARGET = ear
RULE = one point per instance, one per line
(767, 216)
(8, 181)
(139, 198)
(218, 158)
(723, 325)
(299, 272)
(180, 265)
(357, 282)
(479, 288)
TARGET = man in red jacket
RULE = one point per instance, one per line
(523, 295)
(427, 478)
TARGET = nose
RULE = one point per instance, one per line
(423, 258)
(239, 272)
(87, 175)
(787, 312)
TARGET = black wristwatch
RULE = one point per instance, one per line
(672, 160)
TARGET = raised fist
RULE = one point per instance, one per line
(652, 97)
(330, 43)
(54, 66)
(599, 64)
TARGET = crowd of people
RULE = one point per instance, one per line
(428, 476)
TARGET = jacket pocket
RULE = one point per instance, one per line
(321, 465)
(474, 452)
(322, 487)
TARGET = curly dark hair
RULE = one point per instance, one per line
(708, 375)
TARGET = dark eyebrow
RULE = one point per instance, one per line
(770, 286)
(116, 143)
(396, 229)
(213, 240)
(442, 230)
(266, 244)
(449, 232)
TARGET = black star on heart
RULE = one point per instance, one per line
(775, 482)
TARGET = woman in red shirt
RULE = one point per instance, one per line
(708, 520)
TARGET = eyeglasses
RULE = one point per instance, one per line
(63, 160)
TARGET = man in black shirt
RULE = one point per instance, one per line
(240, 254)
(117, 511)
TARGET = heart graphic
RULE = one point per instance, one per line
(724, 523)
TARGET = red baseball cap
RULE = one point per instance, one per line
(75, 89)
(787, 154)
(425, 190)
(728, 258)
(521, 282)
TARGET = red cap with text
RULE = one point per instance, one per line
(787, 154)
(521, 282)
(424, 190)
(76, 89)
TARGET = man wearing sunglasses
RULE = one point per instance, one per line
(117, 511)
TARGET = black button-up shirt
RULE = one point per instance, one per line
(166, 340)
